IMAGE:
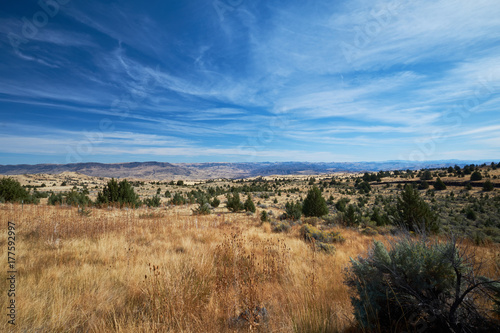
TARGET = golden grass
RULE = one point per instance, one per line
(164, 270)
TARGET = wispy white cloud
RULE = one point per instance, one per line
(186, 79)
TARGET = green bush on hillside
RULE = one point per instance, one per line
(417, 283)
(118, 193)
(314, 203)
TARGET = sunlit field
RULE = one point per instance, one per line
(164, 270)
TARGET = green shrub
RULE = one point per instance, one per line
(178, 199)
(293, 210)
(423, 185)
(75, 198)
(263, 216)
(72, 198)
(378, 218)
(480, 238)
(324, 247)
(12, 191)
(369, 231)
(203, 209)
(153, 202)
(471, 214)
(321, 240)
(314, 204)
(475, 176)
(233, 202)
(488, 186)
(118, 193)
(427, 175)
(350, 216)
(439, 185)
(341, 205)
(311, 220)
(495, 288)
(310, 233)
(417, 283)
(281, 227)
(215, 202)
(329, 219)
(56, 199)
(364, 187)
(413, 213)
(249, 206)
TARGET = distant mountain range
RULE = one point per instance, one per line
(167, 171)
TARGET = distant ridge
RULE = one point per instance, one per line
(165, 170)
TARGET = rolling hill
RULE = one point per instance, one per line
(165, 170)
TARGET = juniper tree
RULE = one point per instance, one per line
(11, 190)
(413, 213)
(476, 176)
(439, 185)
(488, 186)
(427, 175)
(249, 206)
(293, 210)
(314, 203)
(118, 193)
(178, 199)
(234, 203)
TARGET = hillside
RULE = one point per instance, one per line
(165, 170)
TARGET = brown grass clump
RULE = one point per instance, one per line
(168, 271)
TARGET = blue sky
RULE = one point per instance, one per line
(249, 81)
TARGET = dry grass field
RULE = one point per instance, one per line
(164, 270)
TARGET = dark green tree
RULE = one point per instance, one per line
(203, 209)
(263, 216)
(341, 205)
(178, 199)
(475, 176)
(488, 186)
(153, 202)
(76, 198)
(350, 216)
(364, 187)
(127, 195)
(234, 203)
(249, 206)
(424, 185)
(427, 175)
(12, 191)
(377, 217)
(56, 199)
(439, 185)
(215, 202)
(293, 210)
(109, 194)
(314, 203)
(118, 193)
(413, 213)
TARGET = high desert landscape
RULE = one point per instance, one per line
(183, 256)
(206, 166)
